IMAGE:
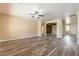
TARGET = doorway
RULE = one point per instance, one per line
(51, 29)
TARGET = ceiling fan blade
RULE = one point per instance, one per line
(38, 17)
(32, 14)
(41, 15)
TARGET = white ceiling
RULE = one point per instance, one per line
(51, 10)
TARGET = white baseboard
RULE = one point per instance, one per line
(18, 38)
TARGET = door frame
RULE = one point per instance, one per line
(59, 27)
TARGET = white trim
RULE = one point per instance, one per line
(51, 21)
(18, 38)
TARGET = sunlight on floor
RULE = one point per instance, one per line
(67, 39)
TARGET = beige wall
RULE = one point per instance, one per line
(23, 28)
(4, 26)
(16, 27)
(78, 29)
(5, 8)
(40, 28)
(54, 29)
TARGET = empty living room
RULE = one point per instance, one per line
(39, 29)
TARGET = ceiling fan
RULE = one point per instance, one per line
(37, 14)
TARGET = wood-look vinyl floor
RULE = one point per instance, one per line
(39, 46)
